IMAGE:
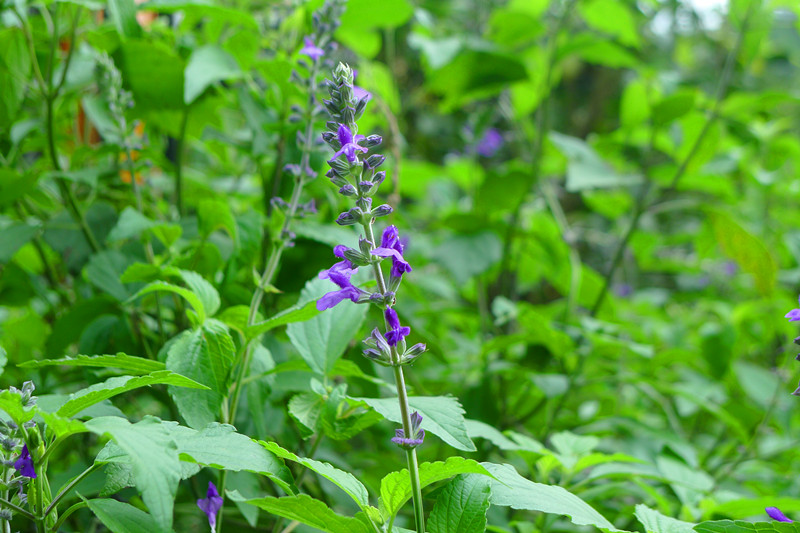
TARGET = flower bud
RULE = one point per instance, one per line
(372, 140)
(378, 178)
(356, 257)
(351, 217)
(375, 160)
(382, 211)
(347, 190)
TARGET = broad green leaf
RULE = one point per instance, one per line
(219, 446)
(11, 403)
(466, 256)
(153, 456)
(480, 430)
(612, 17)
(311, 512)
(203, 289)
(322, 340)
(104, 270)
(513, 490)
(746, 249)
(738, 526)
(15, 68)
(207, 65)
(84, 398)
(396, 487)
(135, 365)
(205, 355)
(297, 313)
(441, 415)
(61, 426)
(213, 214)
(154, 72)
(344, 480)
(199, 314)
(585, 168)
(634, 107)
(123, 13)
(461, 506)
(121, 517)
(655, 522)
(132, 223)
(14, 237)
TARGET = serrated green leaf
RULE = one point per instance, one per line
(219, 446)
(153, 456)
(11, 403)
(655, 522)
(441, 415)
(321, 340)
(396, 487)
(738, 526)
(297, 313)
(461, 507)
(513, 490)
(89, 396)
(311, 512)
(203, 289)
(123, 361)
(344, 480)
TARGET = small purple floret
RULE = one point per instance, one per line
(490, 143)
(392, 247)
(349, 144)
(396, 332)
(211, 505)
(776, 514)
(417, 433)
(24, 465)
(311, 50)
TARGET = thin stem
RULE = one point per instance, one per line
(402, 397)
(63, 518)
(272, 264)
(83, 475)
(16, 508)
(179, 161)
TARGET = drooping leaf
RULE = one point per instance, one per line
(199, 314)
(513, 490)
(93, 394)
(122, 361)
(121, 517)
(344, 480)
(297, 313)
(208, 65)
(309, 511)
(204, 290)
(655, 522)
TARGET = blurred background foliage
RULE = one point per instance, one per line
(600, 198)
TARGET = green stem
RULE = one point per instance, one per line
(402, 397)
(179, 161)
(83, 475)
(67, 513)
(16, 508)
(272, 265)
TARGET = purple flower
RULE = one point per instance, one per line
(396, 332)
(211, 505)
(730, 268)
(392, 247)
(340, 274)
(793, 315)
(776, 514)
(342, 267)
(417, 434)
(490, 143)
(623, 290)
(311, 50)
(24, 465)
(349, 144)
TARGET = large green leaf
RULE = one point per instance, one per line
(154, 73)
(129, 363)
(738, 526)
(344, 480)
(219, 446)
(309, 511)
(396, 487)
(13, 237)
(322, 339)
(15, 68)
(213, 214)
(461, 507)
(513, 490)
(441, 415)
(655, 522)
(104, 270)
(11, 403)
(207, 65)
(111, 387)
(206, 355)
(121, 517)
(199, 315)
(297, 313)
(203, 289)
(154, 461)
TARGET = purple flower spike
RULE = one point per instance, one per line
(392, 247)
(346, 291)
(24, 465)
(344, 267)
(776, 514)
(211, 505)
(349, 144)
(490, 143)
(395, 333)
(793, 315)
(311, 50)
